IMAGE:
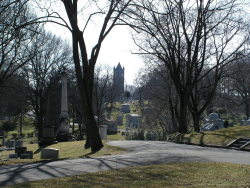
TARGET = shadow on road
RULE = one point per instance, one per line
(44, 170)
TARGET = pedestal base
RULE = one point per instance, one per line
(46, 142)
(63, 137)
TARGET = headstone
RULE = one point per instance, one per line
(133, 121)
(119, 120)
(245, 122)
(25, 156)
(63, 130)
(103, 131)
(30, 153)
(13, 156)
(125, 108)
(213, 117)
(19, 143)
(10, 144)
(112, 126)
(49, 153)
(20, 150)
(213, 122)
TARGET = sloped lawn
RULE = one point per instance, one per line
(191, 174)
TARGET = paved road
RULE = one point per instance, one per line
(140, 153)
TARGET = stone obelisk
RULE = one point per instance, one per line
(63, 130)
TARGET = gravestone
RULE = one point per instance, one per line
(19, 143)
(13, 156)
(29, 153)
(245, 122)
(49, 153)
(125, 108)
(112, 127)
(119, 120)
(213, 117)
(25, 156)
(213, 122)
(52, 113)
(133, 121)
(63, 133)
(20, 150)
(10, 144)
(148, 111)
(103, 131)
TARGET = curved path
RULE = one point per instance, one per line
(139, 153)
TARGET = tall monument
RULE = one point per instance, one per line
(63, 129)
(118, 81)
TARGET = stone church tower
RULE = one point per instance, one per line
(119, 81)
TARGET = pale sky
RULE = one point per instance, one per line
(117, 47)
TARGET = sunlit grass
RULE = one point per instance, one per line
(73, 149)
(117, 136)
(191, 174)
(220, 137)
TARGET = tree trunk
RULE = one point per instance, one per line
(247, 108)
(21, 125)
(73, 126)
(174, 127)
(93, 138)
(183, 116)
(196, 121)
(80, 127)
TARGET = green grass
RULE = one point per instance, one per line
(220, 137)
(117, 136)
(67, 150)
(191, 174)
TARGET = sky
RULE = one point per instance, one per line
(116, 48)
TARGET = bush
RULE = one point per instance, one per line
(9, 126)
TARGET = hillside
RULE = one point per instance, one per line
(220, 137)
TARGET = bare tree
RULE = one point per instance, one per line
(102, 85)
(110, 11)
(238, 82)
(14, 99)
(51, 55)
(14, 40)
(191, 38)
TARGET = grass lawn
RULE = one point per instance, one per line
(191, 174)
(219, 137)
(72, 149)
(117, 136)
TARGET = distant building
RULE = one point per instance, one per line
(118, 81)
